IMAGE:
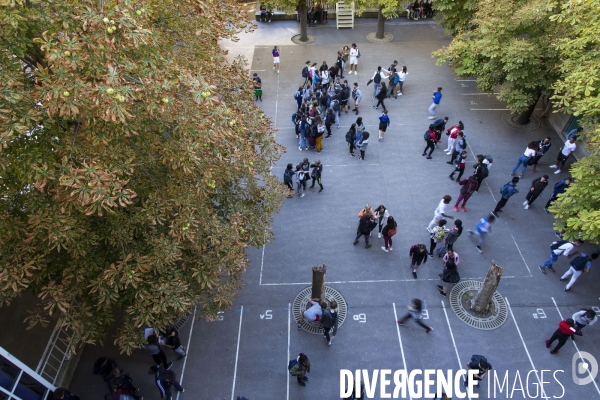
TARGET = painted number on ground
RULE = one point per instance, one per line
(220, 316)
(463, 85)
(267, 315)
(360, 317)
(425, 314)
(539, 313)
(596, 309)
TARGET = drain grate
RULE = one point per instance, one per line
(499, 308)
(301, 301)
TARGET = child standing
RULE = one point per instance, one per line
(275, 53)
(436, 236)
(454, 234)
(364, 143)
(316, 174)
(300, 180)
(381, 213)
(417, 254)
(287, 179)
(388, 231)
(384, 122)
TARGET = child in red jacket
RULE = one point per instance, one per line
(565, 329)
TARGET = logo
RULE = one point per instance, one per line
(582, 363)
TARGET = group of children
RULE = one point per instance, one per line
(300, 176)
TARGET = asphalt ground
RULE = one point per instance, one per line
(246, 354)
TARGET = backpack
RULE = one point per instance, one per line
(358, 55)
(297, 95)
(504, 189)
(476, 359)
(437, 234)
(579, 263)
(350, 137)
(426, 135)
(377, 78)
(396, 79)
(335, 105)
(291, 365)
(287, 175)
(391, 232)
(484, 171)
(305, 72)
(385, 119)
(354, 94)
(556, 245)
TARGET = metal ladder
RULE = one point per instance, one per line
(58, 350)
(344, 15)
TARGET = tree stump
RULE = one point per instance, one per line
(318, 282)
(482, 300)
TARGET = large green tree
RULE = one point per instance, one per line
(510, 48)
(134, 165)
(578, 92)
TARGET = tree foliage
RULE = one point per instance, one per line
(134, 165)
(510, 49)
(455, 15)
(578, 92)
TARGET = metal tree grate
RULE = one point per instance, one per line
(534, 123)
(180, 322)
(499, 308)
(301, 301)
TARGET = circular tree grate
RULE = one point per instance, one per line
(387, 37)
(180, 322)
(499, 310)
(301, 301)
(533, 124)
(311, 39)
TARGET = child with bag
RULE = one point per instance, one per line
(388, 231)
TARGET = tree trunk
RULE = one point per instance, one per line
(318, 282)
(303, 14)
(523, 118)
(482, 300)
(380, 24)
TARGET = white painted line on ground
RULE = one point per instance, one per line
(477, 94)
(466, 80)
(400, 341)
(381, 281)
(288, 353)
(262, 263)
(525, 347)
(187, 350)
(237, 353)
(453, 341)
(258, 70)
(577, 348)
(276, 101)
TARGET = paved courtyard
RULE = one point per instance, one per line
(246, 354)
